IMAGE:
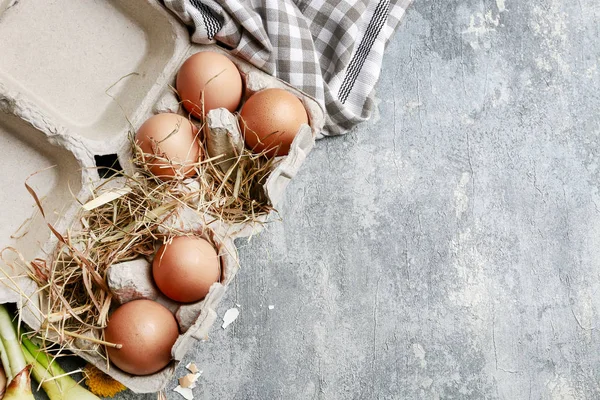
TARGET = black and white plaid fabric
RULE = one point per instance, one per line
(330, 49)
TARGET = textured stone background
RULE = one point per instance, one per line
(449, 248)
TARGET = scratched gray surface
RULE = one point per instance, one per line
(447, 249)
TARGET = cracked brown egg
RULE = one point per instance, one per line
(147, 331)
(185, 268)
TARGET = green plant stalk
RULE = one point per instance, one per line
(39, 356)
(20, 387)
(11, 348)
(3, 382)
(55, 382)
(13, 360)
(5, 361)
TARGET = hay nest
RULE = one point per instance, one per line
(125, 219)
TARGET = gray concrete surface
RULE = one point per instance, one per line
(447, 249)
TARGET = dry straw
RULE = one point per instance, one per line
(234, 196)
(128, 218)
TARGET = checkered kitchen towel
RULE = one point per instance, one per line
(330, 49)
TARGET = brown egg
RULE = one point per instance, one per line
(185, 269)
(147, 331)
(173, 138)
(214, 74)
(270, 120)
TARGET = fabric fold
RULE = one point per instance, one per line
(331, 50)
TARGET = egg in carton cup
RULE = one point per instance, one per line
(132, 280)
(223, 130)
(85, 109)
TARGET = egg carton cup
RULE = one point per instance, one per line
(71, 92)
(132, 280)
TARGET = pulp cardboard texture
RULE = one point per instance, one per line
(75, 79)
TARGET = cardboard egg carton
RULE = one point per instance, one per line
(75, 79)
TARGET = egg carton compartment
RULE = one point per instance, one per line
(36, 153)
(255, 80)
(133, 281)
(223, 130)
(73, 88)
(91, 64)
